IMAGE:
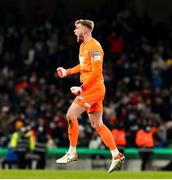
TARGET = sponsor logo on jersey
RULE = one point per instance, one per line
(96, 55)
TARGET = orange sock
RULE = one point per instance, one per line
(106, 137)
(73, 132)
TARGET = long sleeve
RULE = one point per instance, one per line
(75, 70)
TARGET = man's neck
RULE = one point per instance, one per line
(87, 38)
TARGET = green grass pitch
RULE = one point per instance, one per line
(82, 174)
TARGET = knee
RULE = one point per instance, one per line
(96, 125)
(70, 116)
(93, 125)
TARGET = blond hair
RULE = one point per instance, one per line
(87, 23)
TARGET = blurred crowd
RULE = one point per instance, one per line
(137, 72)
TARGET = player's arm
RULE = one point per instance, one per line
(96, 67)
(61, 72)
(75, 70)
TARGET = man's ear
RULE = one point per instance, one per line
(85, 31)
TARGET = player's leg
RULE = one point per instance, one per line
(74, 111)
(106, 136)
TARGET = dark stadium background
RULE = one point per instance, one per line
(36, 37)
(157, 9)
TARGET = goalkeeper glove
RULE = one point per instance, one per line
(61, 72)
(76, 90)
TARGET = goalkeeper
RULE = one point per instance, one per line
(90, 95)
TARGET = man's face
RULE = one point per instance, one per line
(79, 32)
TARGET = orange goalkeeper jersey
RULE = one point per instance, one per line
(91, 60)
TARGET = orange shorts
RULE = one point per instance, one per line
(92, 98)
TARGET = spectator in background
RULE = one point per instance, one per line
(7, 119)
(83, 140)
(116, 44)
(50, 142)
(40, 148)
(120, 136)
(25, 140)
(40, 15)
(145, 143)
(158, 66)
(12, 157)
(95, 142)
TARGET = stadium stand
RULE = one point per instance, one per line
(137, 70)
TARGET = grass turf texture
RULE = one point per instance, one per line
(82, 174)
